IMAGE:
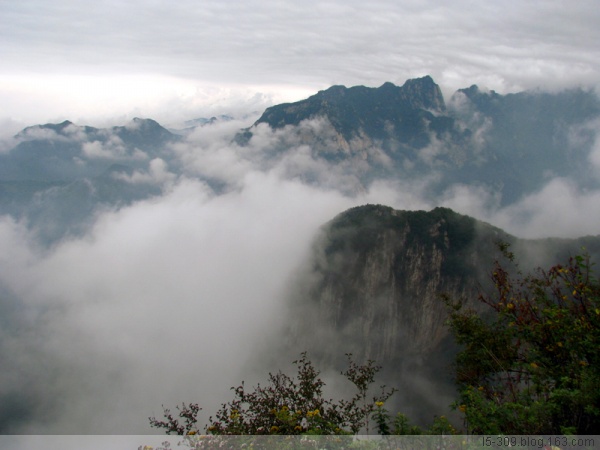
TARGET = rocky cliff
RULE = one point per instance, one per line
(392, 117)
(373, 288)
(381, 271)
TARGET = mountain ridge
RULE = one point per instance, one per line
(508, 146)
(344, 108)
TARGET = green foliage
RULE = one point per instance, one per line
(288, 406)
(531, 367)
(400, 425)
(172, 425)
(381, 419)
(359, 408)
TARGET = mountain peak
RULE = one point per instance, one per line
(370, 112)
(426, 91)
(148, 128)
(139, 123)
(41, 131)
(425, 81)
(64, 124)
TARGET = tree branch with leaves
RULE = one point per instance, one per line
(531, 365)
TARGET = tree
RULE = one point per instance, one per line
(532, 364)
(287, 406)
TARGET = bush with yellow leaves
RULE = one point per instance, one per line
(288, 406)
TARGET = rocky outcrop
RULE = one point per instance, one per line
(373, 287)
(384, 269)
(407, 115)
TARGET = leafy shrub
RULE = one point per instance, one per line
(533, 366)
(287, 406)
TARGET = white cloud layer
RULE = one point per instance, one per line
(162, 302)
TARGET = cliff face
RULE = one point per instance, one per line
(378, 274)
(373, 288)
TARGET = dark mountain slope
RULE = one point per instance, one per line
(532, 136)
(508, 144)
(404, 115)
(66, 152)
(58, 175)
(379, 112)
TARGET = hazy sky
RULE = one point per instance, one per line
(109, 60)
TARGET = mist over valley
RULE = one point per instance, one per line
(148, 265)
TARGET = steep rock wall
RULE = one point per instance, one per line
(373, 287)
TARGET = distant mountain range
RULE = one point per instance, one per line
(57, 175)
(508, 144)
(66, 152)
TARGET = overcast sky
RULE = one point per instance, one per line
(111, 60)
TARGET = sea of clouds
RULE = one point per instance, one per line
(170, 299)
